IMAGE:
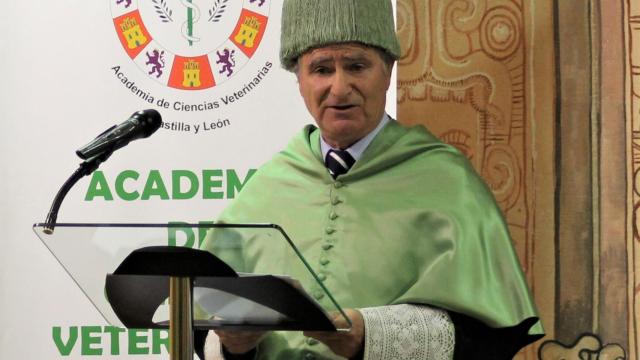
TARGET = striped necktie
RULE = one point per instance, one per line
(338, 162)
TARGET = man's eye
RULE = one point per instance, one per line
(322, 70)
(357, 67)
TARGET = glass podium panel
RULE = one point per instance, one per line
(89, 252)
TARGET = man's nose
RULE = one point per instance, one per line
(341, 84)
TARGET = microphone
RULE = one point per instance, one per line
(140, 125)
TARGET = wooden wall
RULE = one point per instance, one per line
(543, 96)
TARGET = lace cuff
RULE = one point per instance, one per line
(407, 332)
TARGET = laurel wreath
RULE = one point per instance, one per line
(215, 13)
(163, 11)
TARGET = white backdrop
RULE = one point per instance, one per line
(59, 88)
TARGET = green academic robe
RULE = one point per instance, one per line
(411, 222)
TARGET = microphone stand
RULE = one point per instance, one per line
(86, 167)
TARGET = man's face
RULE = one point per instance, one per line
(344, 87)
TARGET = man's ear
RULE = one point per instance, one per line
(389, 72)
(297, 73)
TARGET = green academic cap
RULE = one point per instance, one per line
(308, 24)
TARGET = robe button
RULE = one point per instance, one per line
(335, 201)
(322, 277)
(338, 184)
(318, 295)
(329, 230)
(309, 356)
(324, 261)
(311, 341)
(333, 216)
(327, 246)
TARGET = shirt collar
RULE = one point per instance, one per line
(361, 145)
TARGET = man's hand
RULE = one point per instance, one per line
(239, 342)
(345, 344)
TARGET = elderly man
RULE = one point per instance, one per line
(397, 224)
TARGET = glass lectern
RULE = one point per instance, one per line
(160, 276)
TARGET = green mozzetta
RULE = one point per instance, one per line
(411, 222)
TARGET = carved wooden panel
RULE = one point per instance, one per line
(470, 73)
(462, 74)
(467, 74)
(632, 34)
(588, 347)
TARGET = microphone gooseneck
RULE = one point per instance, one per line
(85, 168)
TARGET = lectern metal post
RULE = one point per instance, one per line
(180, 318)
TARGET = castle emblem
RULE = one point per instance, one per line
(249, 29)
(190, 44)
(132, 33)
(191, 74)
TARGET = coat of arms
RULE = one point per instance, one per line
(190, 44)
